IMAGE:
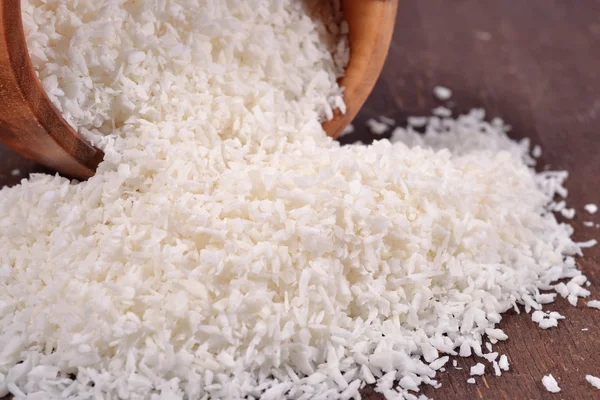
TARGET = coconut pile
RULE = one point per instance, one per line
(227, 248)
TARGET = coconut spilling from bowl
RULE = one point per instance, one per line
(227, 248)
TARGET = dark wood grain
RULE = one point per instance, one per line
(29, 123)
(536, 64)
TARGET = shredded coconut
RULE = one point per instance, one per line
(477, 369)
(594, 381)
(550, 384)
(503, 363)
(591, 208)
(386, 120)
(497, 370)
(568, 213)
(376, 127)
(442, 93)
(416, 122)
(587, 244)
(442, 111)
(226, 248)
(594, 304)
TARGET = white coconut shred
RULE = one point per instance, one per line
(226, 248)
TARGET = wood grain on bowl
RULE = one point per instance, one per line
(371, 25)
(29, 123)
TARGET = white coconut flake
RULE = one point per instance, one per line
(416, 122)
(548, 323)
(568, 213)
(591, 208)
(477, 369)
(503, 363)
(15, 172)
(550, 384)
(442, 111)
(588, 244)
(556, 315)
(439, 363)
(497, 370)
(594, 381)
(376, 127)
(387, 120)
(594, 304)
(471, 381)
(442, 93)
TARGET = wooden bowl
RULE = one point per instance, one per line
(32, 126)
(371, 24)
(29, 123)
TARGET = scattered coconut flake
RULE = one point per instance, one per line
(550, 384)
(594, 381)
(439, 363)
(442, 111)
(477, 369)
(495, 333)
(588, 224)
(556, 315)
(572, 299)
(15, 172)
(497, 370)
(376, 127)
(442, 93)
(416, 122)
(503, 363)
(471, 381)
(547, 320)
(387, 120)
(537, 151)
(591, 208)
(587, 244)
(594, 304)
(548, 323)
(568, 213)
(538, 316)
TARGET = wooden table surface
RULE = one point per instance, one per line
(536, 64)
